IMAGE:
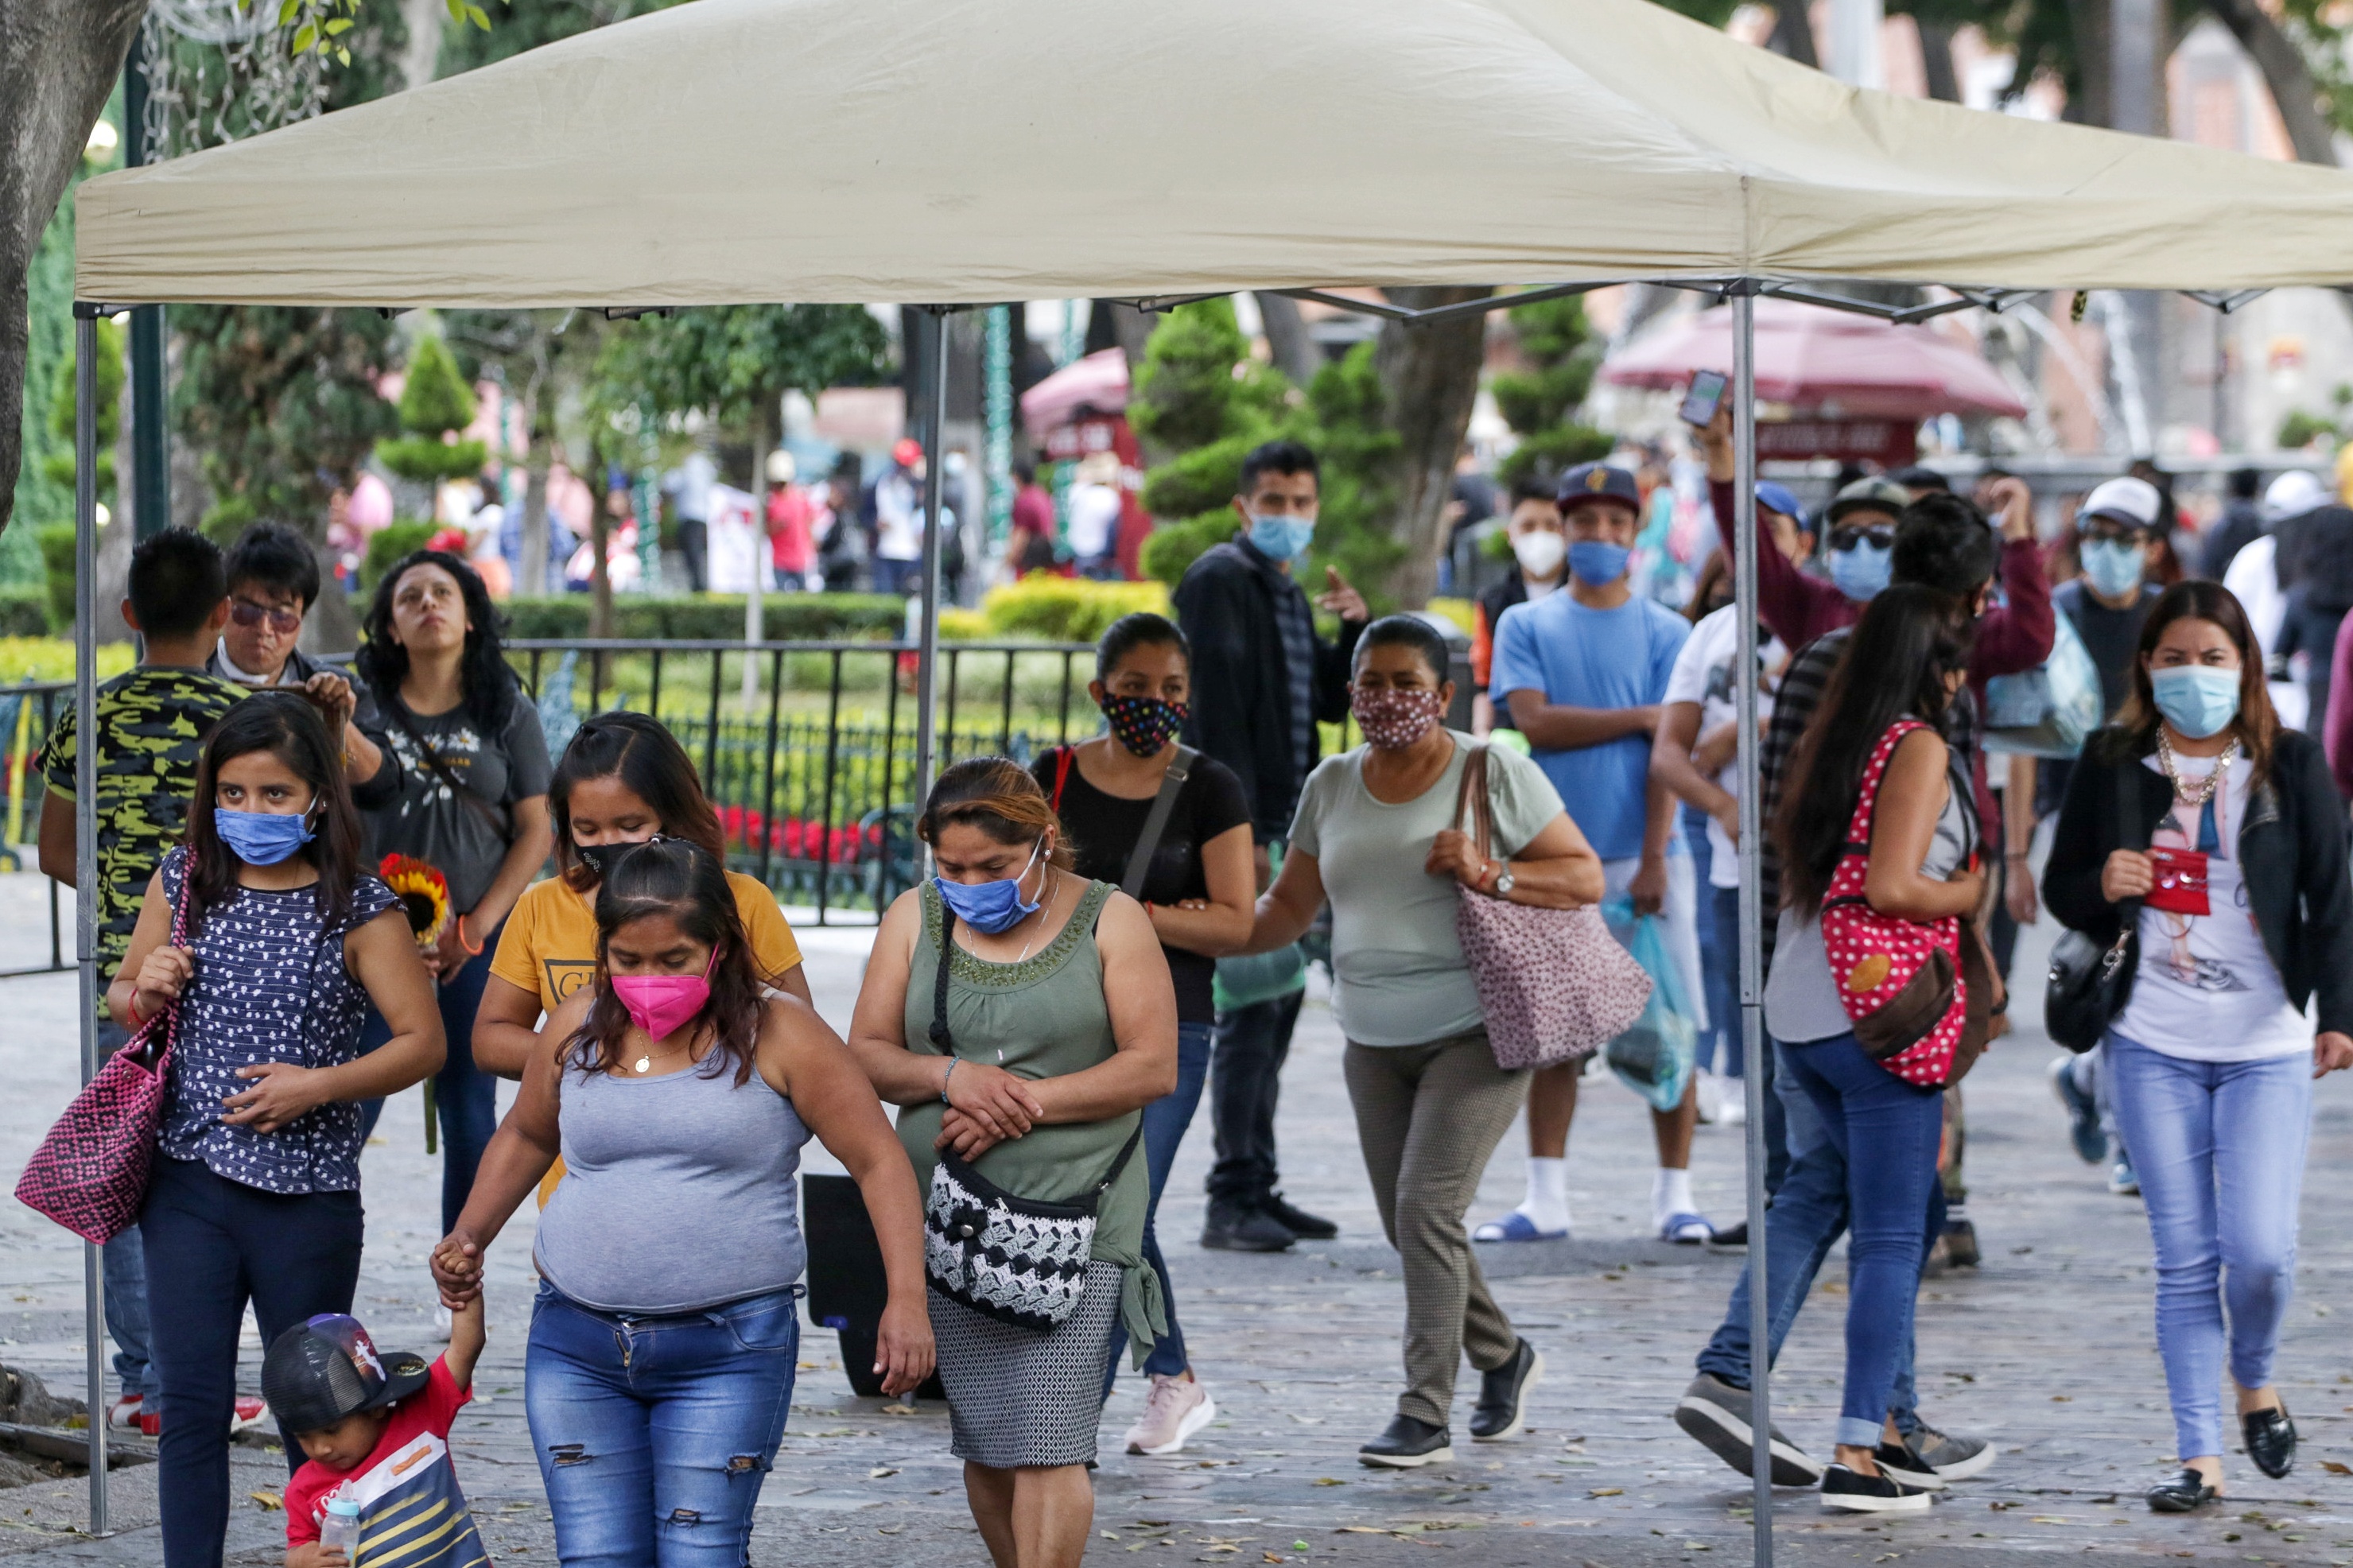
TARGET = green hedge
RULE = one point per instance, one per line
(715, 617)
(23, 612)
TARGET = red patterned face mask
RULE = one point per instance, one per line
(1392, 719)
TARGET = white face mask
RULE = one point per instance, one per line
(1540, 553)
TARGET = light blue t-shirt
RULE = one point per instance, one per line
(1584, 658)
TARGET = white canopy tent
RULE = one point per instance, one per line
(757, 151)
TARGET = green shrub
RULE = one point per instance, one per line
(23, 612)
(714, 617)
(388, 545)
(435, 405)
(1200, 480)
(226, 520)
(2301, 430)
(1174, 546)
(57, 566)
(1066, 609)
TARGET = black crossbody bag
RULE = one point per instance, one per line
(2089, 983)
(1020, 1260)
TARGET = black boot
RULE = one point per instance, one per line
(1409, 1443)
(1299, 1222)
(1503, 1393)
(1231, 1227)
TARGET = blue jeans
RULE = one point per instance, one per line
(124, 1262)
(1808, 1215)
(465, 1098)
(1165, 1121)
(219, 1244)
(2218, 1148)
(654, 1434)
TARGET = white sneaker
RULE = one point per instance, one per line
(1175, 1409)
(1708, 1098)
(1731, 1102)
(441, 1323)
(125, 1411)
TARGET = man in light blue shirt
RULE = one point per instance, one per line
(1582, 675)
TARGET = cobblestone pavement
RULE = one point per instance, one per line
(2047, 1347)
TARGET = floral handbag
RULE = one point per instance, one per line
(1020, 1260)
(89, 1174)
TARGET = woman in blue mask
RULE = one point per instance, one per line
(2214, 840)
(989, 1014)
(269, 941)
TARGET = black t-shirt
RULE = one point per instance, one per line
(1102, 830)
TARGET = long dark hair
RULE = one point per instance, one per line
(1911, 639)
(671, 877)
(2257, 726)
(284, 724)
(488, 683)
(997, 796)
(646, 758)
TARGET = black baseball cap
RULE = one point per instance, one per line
(317, 1372)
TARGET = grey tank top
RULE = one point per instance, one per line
(678, 1192)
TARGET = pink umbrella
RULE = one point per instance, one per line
(1098, 382)
(1823, 360)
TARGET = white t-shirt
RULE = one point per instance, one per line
(1094, 520)
(2206, 989)
(1703, 674)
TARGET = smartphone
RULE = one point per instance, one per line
(1705, 396)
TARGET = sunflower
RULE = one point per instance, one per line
(423, 892)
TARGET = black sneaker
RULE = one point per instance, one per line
(1900, 1462)
(1229, 1227)
(1952, 1457)
(1718, 1415)
(1849, 1491)
(1729, 1238)
(1298, 1222)
(1500, 1394)
(1408, 1445)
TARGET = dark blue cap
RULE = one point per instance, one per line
(1599, 481)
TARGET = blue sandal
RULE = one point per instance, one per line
(1686, 1230)
(1516, 1226)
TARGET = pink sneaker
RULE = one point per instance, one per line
(1175, 1409)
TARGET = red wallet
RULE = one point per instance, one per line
(2180, 885)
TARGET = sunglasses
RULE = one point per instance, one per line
(1849, 537)
(246, 613)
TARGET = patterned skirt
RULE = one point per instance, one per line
(1019, 1398)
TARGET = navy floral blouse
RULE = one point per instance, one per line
(270, 985)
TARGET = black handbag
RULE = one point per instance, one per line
(1020, 1260)
(2090, 984)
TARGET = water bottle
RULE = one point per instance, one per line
(340, 1529)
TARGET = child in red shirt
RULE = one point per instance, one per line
(376, 1430)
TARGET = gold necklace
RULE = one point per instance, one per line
(2203, 791)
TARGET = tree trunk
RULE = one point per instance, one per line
(59, 59)
(1936, 60)
(763, 412)
(1793, 33)
(1430, 378)
(2287, 73)
(533, 580)
(2090, 101)
(600, 574)
(1287, 341)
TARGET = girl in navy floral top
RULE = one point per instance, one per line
(254, 1189)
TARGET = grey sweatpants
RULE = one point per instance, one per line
(1427, 1117)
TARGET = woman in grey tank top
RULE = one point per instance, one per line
(664, 1338)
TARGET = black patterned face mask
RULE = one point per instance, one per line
(1144, 724)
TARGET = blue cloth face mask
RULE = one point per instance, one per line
(262, 837)
(2194, 699)
(2112, 566)
(1861, 573)
(1282, 538)
(992, 907)
(1598, 564)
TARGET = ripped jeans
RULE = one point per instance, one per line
(655, 1433)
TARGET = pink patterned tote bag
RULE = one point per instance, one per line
(89, 1174)
(1554, 984)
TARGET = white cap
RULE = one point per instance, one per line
(2295, 493)
(2128, 501)
(781, 467)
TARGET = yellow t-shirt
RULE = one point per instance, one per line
(550, 942)
(550, 946)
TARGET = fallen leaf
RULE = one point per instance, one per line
(2334, 1469)
(1607, 1491)
(879, 1472)
(1329, 1481)
(2046, 1519)
(899, 1410)
(889, 1529)
(1360, 1529)
(1271, 1556)
(268, 1499)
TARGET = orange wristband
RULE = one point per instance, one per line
(473, 949)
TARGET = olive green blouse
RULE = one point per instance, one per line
(1041, 1018)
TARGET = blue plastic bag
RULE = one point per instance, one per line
(1654, 1058)
(2049, 711)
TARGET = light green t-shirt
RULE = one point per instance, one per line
(1401, 979)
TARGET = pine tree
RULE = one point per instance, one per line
(1561, 356)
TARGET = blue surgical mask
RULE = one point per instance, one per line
(2194, 699)
(1861, 573)
(1282, 538)
(1596, 564)
(2112, 566)
(262, 837)
(991, 907)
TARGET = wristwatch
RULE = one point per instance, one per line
(1505, 882)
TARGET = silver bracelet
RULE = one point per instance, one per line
(953, 1063)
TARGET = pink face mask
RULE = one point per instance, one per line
(659, 1004)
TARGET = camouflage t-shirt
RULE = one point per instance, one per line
(152, 723)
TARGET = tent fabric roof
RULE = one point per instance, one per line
(961, 151)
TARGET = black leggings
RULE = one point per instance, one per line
(211, 1244)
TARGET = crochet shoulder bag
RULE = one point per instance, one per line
(89, 1174)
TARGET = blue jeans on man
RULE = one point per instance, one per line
(1165, 1121)
(1808, 1213)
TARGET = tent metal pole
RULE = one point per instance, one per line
(86, 846)
(1752, 910)
(930, 323)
